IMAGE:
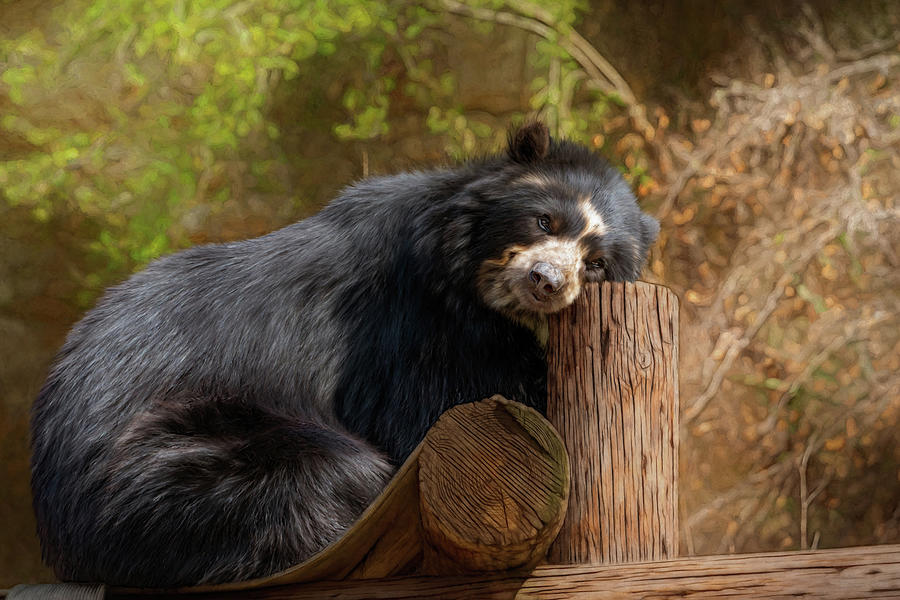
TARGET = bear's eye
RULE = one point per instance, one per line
(597, 264)
(544, 223)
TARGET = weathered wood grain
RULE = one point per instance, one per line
(491, 497)
(841, 574)
(613, 396)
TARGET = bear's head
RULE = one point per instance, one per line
(559, 216)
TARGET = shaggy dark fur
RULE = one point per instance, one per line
(233, 408)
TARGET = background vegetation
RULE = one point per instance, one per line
(765, 135)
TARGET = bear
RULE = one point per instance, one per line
(233, 408)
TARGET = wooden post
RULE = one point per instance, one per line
(613, 397)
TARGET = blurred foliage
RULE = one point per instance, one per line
(140, 115)
(134, 114)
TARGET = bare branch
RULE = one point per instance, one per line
(536, 20)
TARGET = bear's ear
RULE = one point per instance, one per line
(649, 230)
(529, 143)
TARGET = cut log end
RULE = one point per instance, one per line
(493, 487)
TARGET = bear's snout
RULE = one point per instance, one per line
(547, 279)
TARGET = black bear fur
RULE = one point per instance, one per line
(232, 409)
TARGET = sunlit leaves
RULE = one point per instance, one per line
(182, 91)
(138, 112)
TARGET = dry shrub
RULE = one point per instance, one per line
(780, 233)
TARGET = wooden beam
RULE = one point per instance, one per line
(613, 397)
(841, 574)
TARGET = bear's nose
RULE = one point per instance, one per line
(546, 278)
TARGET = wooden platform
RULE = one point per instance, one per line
(841, 574)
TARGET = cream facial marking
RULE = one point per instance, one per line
(506, 286)
(595, 223)
(506, 283)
